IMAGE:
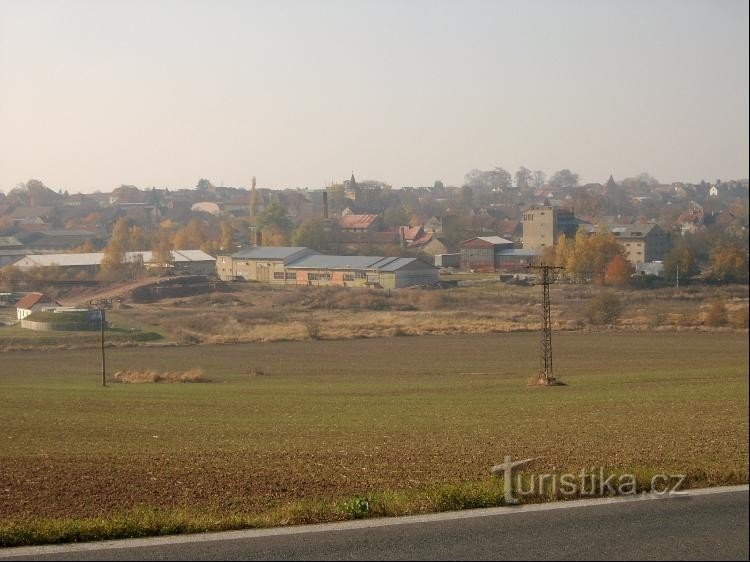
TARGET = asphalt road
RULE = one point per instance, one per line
(707, 525)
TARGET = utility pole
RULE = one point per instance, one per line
(546, 375)
(99, 304)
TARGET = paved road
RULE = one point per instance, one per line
(705, 525)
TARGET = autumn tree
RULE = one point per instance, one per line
(729, 263)
(161, 250)
(590, 254)
(226, 236)
(680, 261)
(191, 237)
(618, 272)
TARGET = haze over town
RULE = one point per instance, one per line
(299, 94)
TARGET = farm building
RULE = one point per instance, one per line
(642, 243)
(33, 302)
(302, 266)
(515, 259)
(360, 271)
(259, 263)
(482, 253)
(194, 262)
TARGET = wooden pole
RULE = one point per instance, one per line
(101, 327)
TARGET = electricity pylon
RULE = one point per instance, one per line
(546, 375)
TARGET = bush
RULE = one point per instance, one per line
(740, 317)
(717, 315)
(604, 308)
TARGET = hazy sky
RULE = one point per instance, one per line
(94, 94)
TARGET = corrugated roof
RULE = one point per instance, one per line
(95, 258)
(495, 240)
(398, 263)
(320, 261)
(373, 263)
(195, 255)
(270, 252)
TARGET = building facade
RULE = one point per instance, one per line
(302, 266)
(543, 224)
(481, 253)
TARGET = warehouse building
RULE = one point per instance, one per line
(193, 262)
(302, 266)
(260, 263)
(482, 253)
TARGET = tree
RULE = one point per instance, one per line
(604, 308)
(113, 266)
(274, 218)
(563, 250)
(564, 179)
(590, 254)
(316, 234)
(190, 237)
(618, 272)
(204, 185)
(136, 239)
(539, 178)
(524, 178)
(680, 261)
(729, 263)
(226, 236)
(467, 197)
(161, 249)
(717, 315)
(395, 216)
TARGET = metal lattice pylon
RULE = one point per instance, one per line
(545, 356)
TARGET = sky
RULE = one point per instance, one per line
(95, 94)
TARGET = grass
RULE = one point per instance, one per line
(401, 425)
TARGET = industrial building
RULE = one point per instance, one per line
(481, 253)
(543, 224)
(302, 266)
(194, 262)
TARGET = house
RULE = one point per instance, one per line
(350, 222)
(32, 215)
(481, 253)
(642, 242)
(33, 302)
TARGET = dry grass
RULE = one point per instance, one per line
(152, 376)
(262, 313)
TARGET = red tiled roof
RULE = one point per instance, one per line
(357, 221)
(30, 300)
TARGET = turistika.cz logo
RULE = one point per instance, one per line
(596, 481)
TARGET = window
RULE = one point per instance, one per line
(360, 275)
(348, 277)
(279, 275)
(291, 276)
